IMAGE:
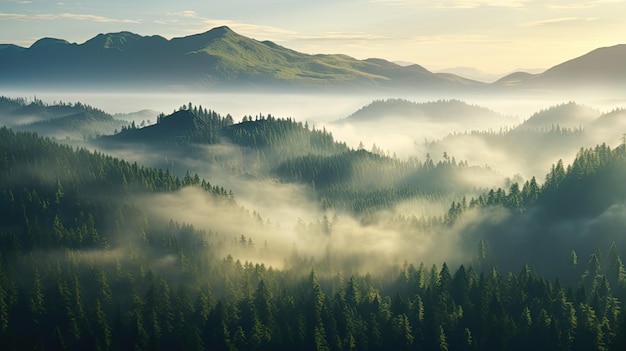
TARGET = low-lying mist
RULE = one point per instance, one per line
(281, 218)
(295, 224)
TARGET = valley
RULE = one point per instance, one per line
(214, 191)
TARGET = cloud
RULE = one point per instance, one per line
(193, 23)
(454, 4)
(247, 28)
(557, 21)
(71, 16)
(340, 36)
(186, 14)
(458, 38)
(571, 5)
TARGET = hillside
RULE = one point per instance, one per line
(601, 68)
(61, 120)
(96, 255)
(78, 126)
(180, 128)
(569, 115)
(219, 57)
(432, 111)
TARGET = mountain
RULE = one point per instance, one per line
(610, 127)
(181, 127)
(441, 110)
(219, 57)
(569, 115)
(145, 116)
(407, 115)
(471, 73)
(602, 67)
(513, 79)
(100, 253)
(60, 120)
(86, 124)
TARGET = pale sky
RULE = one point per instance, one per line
(491, 35)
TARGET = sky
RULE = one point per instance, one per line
(492, 36)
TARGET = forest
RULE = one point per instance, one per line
(200, 232)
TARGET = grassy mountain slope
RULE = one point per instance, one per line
(217, 56)
(600, 68)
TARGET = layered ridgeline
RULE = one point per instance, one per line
(420, 120)
(85, 264)
(532, 146)
(579, 210)
(221, 58)
(218, 58)
(602, 68)
(59, 120)
(265, 147)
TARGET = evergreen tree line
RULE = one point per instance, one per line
(587, 187)
(79, 301)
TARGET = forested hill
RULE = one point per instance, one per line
(363, 182)
(282, 138)
(260, 143)
(56, 196)
(13, 111)
(183, 127)
(79, 126)
(577, 211)
(60, 120)
(442, 111)
(569, 115)
(82, 266)
(268, 147)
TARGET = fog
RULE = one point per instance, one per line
(340, 240)
(282, 218)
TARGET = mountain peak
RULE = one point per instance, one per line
(48, 41)
(113, 40)
(222, 29)
(214, 33)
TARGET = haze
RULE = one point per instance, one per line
(496, 37)
(219, 192)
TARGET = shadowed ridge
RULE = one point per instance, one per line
(43, 42)
(602, 67)
(569, 115)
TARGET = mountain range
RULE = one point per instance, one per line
(219, 57)
(602, 67)
(222, 58)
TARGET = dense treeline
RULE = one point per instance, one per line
(587, 187)
(187, 126)
(85, 265)
(76, 193)
(76, 300)
(361, 181)
(8, 105)
(60, 120)
(265, 146)
(273, 140)
(16, 107)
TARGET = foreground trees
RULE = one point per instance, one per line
(83, 267)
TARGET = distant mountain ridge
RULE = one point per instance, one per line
(569, 115)
(219, 57)
(602, 67)
(63, 120)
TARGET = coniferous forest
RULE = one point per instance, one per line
(198, 231)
